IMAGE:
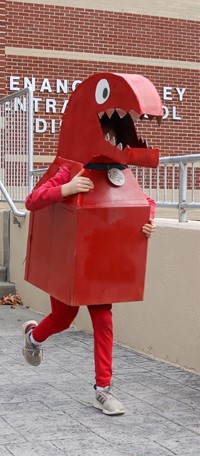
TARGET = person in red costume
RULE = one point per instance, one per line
(55, 190)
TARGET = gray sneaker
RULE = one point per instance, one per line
(31, 353)
(107, 402)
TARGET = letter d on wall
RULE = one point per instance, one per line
(40, 125)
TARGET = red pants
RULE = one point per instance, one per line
(61, 318)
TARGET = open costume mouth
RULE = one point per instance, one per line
(119, 129)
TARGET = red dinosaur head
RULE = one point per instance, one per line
(99, 122)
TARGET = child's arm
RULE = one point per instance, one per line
(149, 228)
(48, 193)
(57, 189)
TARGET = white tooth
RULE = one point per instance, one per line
(100, 114)
(120, 146)
(146, 116)
(113, 141)
(109, 112)
(146, 143)
(121, 112)
(107, 136)
(134, 115)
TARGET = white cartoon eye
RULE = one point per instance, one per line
(102, 91)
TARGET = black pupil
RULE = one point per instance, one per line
(105, 92)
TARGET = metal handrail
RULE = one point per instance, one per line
(9, 200)
(192, 158)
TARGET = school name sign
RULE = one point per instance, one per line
(59, 86)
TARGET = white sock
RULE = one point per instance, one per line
(33, 341)
(101, 388)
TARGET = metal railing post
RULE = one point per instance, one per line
(30, 140)
(6, 242)
(182, 191)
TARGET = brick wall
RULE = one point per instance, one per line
(2, 46)
(38, 26)
(73, 29)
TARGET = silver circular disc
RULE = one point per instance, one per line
(116, 177)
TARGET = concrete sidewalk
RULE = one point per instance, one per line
(47, 410)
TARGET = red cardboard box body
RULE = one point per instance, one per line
(91, 249)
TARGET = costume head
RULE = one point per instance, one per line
(99, 123)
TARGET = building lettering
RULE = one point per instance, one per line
(59, 86)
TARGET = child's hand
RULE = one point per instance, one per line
(149, 228)
(77, 185)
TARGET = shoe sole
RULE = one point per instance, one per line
(107, 412)
(31, 361)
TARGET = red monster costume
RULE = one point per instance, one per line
(99, 232)
(89, 249)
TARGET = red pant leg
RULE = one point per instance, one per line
(58, 320)
(101, 316)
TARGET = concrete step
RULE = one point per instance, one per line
(6, 288)
(3, 273)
